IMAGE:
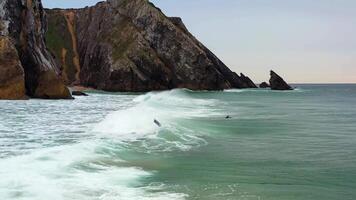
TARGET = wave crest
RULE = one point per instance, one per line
(173, 109)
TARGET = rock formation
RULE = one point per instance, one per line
(264, 85)
(277, 83)
(26, 65)
(130, 45)
(248, 83)
(12, 79)
(79, 93)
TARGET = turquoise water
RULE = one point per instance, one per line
(294, 145)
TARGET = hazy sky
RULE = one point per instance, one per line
(304, 40)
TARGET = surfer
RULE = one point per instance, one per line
(157, 123)
(228, 117)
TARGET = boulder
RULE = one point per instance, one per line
(79, 93)
(264, 85)
(51, 87)
(277, 82)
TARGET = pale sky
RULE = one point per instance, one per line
(306, 41)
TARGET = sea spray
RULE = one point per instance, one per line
(73, 172)
(98, 164)
(172, 109)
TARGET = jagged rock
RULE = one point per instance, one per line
(12, 76)
(78, 93)
(277, 82)
(24, 22)
(130, 45)
(264, 85)
(247, 81)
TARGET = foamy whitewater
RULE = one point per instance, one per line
(277, 146)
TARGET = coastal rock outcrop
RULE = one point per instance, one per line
(247, 81)
(264, 85)
(24, 54)
(12, 77)
(130, 45)
(277, 82)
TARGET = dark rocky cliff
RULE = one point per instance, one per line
(277, 83)
(26, 67)
(130, 45)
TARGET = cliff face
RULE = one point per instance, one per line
(24, 57)
(130, 45)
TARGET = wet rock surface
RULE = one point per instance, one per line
(79, 93)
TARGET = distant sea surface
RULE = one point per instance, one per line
(292, 145)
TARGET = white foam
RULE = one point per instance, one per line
(71, 173)
(167, 107)
(246, 90)
(130, 124)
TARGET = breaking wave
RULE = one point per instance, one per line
(95, 167)
(173, 110)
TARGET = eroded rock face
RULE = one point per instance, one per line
(130, 45)
(277, 82)
(12, 76)
(24, 23)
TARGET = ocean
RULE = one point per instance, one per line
(291, 145)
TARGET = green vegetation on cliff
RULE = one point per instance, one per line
(121, 38)
(59, 41)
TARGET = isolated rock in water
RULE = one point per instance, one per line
(130, 45)
(78, 93)
(277, 83)
(24, 24)
(247, 81)
(12, 76)
(264, 85)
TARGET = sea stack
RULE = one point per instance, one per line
(277, 82)
(26, 66)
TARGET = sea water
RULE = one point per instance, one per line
(292, 145)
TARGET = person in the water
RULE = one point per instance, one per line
(228, 117)
(157, 123)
